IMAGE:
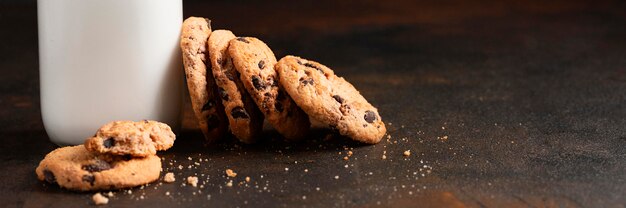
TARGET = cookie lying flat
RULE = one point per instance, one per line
(202, 89)
(78, 169)
(330, 99)
(140, 138)
(244, 117)
(254, 61)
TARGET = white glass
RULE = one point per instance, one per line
(105, 60)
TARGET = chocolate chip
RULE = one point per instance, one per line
(370, 116)
(242, 39)
(338, 98)
(127, 157)
(109, 142)
(261, 64)
(208, 105)
(310, 65)
(98, 166)
(222, 93)
(306, 81)
(212, 121)
(258, 83)
(49, 176)
(239, 112)
(89, 179)
(278, 106)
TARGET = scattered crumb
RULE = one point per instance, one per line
(192, 180)
(349, 153)
(98, 199)
(345, 158)
(110, 194)
(247, 179)
(167, 193)
(306, 170)
(384, 157)
(407, 153)
(229, 184)
(169, 177)
(231, 173)
(336, 177)
(286, 169)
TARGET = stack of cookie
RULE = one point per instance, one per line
(121, 154)
(236, 82)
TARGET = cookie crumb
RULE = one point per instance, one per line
(98, 199)
(336, 177)
(384, 157)
(169, 177)
(349, 153)
(231, 173)
(110, 194)
(306, 170)
(345, 158)
(407, 153)
(229, 184)
(193, 181)
(167, 193)
(247, 179)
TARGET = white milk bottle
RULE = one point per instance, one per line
(106, 60)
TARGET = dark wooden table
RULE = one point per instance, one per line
(502, 104)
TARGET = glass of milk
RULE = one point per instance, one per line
(106, 60)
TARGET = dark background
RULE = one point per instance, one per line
(531, 97)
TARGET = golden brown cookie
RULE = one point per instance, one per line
(76, 168)
(202, 89)
(330, 99)
(244, 117)
(138, 139)
(254, 61)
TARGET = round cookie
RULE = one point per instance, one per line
(76, 168)
(244, 117)
(202, 89)
(254, 61)
(140, 139)
(330, 99)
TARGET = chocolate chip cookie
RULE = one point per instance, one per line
(139, 139)
(202, 89)
(254, 61)
(244, 117)
(330, 99)
(76, 168)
